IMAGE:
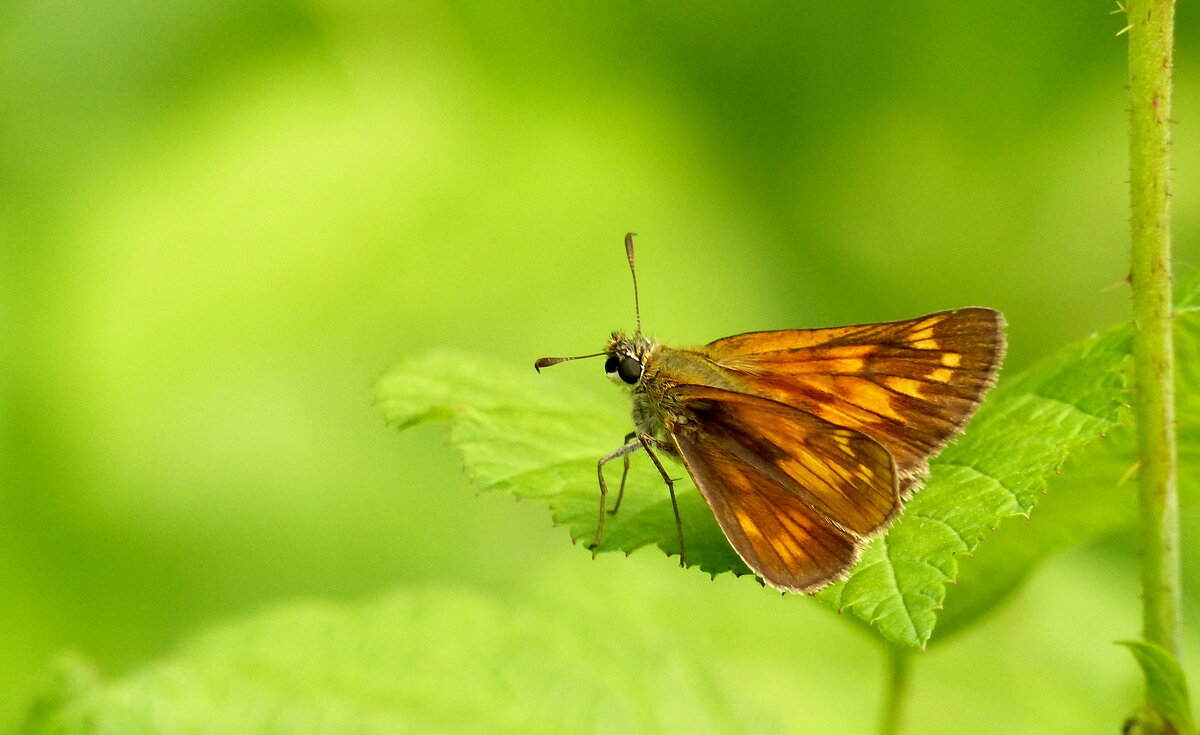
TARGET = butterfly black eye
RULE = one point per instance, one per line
(610, 366)
(630, 370)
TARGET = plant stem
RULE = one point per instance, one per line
(1151, 29)
(895, 688)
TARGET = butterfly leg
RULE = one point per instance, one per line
(648, 441)
(624, 474)
(630, 445)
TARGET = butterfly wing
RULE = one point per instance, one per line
(910, 385)
(795, 495)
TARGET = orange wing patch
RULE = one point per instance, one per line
(796, 496)
(910, 385)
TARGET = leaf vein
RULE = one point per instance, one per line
(1042, 396)
(887, 553)
(958, 534)
(986, 475)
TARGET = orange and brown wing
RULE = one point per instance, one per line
(910, 385)
(796, 496)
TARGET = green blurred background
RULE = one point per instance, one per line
(222, 220)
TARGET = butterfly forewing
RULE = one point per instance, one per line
(910, 385)
(796, 496)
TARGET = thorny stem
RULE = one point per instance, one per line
(1150, 30)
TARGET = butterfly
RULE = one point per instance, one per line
(804, 443)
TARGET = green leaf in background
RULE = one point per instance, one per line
(417, 662)
(1165, 682)
(527, 435)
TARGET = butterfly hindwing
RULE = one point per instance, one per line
(796, 496)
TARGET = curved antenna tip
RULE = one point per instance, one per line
(637, 307)
(549, 361)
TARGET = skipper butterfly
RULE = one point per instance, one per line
(804, 442)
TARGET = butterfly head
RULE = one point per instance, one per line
(625, 357)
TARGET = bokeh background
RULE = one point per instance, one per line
(222, 220)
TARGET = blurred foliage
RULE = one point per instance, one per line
(221, 221)
(434, 661)
(1166, 688)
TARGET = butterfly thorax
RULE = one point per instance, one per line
(652, 371)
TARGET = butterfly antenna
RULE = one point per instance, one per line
(637, 308)
(548, 361)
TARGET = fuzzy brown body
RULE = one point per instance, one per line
(655, 411)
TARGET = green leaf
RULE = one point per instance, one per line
(996, 470)
(1095, 495)
(533, 437)
(1166, 685)
(528, 435)
(1090, 499)
(417, 662)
